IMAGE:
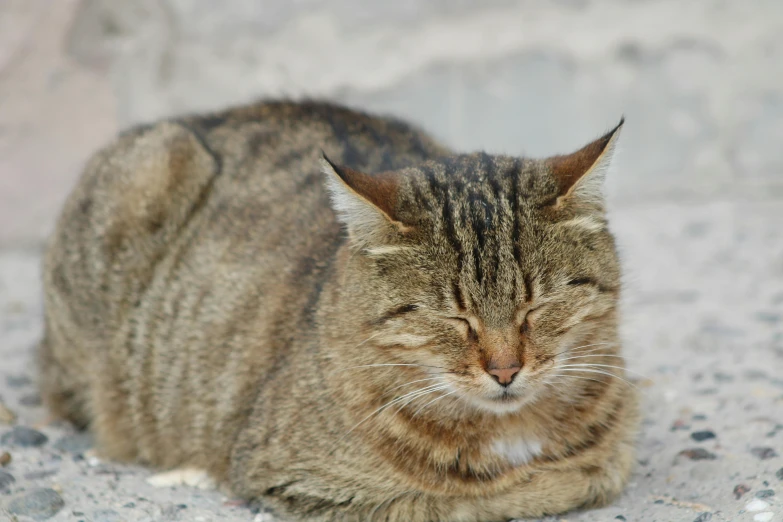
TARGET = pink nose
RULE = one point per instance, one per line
(504, 376)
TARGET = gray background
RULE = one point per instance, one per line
(701, 82)
(696, 196)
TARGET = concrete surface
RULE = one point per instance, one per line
(697, 196)
(703, 332)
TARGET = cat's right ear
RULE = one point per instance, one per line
(580, 175)
(365, 203)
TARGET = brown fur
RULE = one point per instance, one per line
(204, 309)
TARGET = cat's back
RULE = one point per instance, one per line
(244, 184)
(178, 229)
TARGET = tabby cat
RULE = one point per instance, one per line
(332, 314)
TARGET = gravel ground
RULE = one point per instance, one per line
(703, 329)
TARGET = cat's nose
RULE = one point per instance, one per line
(504, 376)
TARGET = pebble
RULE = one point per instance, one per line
(5, 459)
(700, 436)
(25, 437)
(703, 517)
(763, 453)
(18, 381)
(6, 479)
(779, 474)
(38, 504)
(680, 424)
(106, 515)
(78, 443)
(41, 473)
(739, 490)
(765, 493)
(620, 517)
(698, 454)
(6, 415)
(763, 517)
(723, 377)
(756, 505)
(264, 517)
(30, 400)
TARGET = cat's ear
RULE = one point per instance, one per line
(366, 204)
(581, 174)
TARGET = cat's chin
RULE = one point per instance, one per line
(502, 404)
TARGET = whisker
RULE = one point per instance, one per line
(436, 399)
(422, 391)
(412, 382)
(593, 355)
(574, 349)
(402, 406)
(592, 365)
(394, 364)
(563, 377)
(373, 336)
(608, 374)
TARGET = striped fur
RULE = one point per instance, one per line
(323, 346)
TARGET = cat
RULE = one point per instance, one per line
(334, 315)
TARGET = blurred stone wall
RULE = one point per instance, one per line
(700, 81)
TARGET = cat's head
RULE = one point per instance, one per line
(484, 272)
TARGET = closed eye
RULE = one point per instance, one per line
(529, 319)
(464, 325)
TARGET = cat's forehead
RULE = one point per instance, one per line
(479, 181)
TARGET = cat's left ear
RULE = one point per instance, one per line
(365, 203)
(580, 175)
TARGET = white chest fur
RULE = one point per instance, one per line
(517, 451)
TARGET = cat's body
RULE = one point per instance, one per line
(204, 309)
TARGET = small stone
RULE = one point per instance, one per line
(703, 517)
(765, 493)
(763, 453)
(680, 424)
(775, 430)
(699, 417)
(723, 377)
(6, 479)
(31, 400)
(6, 415)
(25, 437)
(5, 459)
(698, 454)
(779, 474)
(700, 436)
(763, 517)
(129, 505)
(17, 381)
(106, 515)
(755, 375)
(739, 490)
(756, 505)
(620, 517)
(78, 443)
(39, 474)
(38, 504)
